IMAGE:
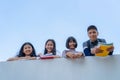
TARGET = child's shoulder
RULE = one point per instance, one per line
(86, 43)
(101, 40)
(66, 50)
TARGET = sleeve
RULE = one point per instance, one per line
(58, 53)
(86, 50)
(111, 53)
(103, 40)
(64, 53)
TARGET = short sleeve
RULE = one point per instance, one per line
(86, 49)
(58, 53)
(64, 53)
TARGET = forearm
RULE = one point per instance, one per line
(28, 58)
(13, 59)
(87, 52)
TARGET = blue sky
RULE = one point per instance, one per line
(36, 21)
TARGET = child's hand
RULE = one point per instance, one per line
(78, 55)
(40, 54)
(110, 49)
(29, 58)
(96, 50)
(13, 59)
(70, 55)
(56, 56)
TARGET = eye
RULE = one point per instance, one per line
(51, 45)
(89, 32)
(29, 47)
(25, 48)
(94, 32)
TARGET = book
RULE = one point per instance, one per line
(104, 47)
(46, 57)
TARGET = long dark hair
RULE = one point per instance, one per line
(54, 47)
(22, 54)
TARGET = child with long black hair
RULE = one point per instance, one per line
(50, 49)
(27, 52)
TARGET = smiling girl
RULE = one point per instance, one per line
(27, 52)
(71, 45)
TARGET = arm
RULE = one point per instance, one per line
(64, 53)
(70, 55)
(40, 54)
(87, 52)
(27, 58)
(86, 49)
(56, 56)
(13, 59)
(78, 55)
(96, 49)
(19, 58)
(67, 54)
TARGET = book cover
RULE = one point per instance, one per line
(104, 47)
(46, 57)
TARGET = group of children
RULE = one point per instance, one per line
(90, 48)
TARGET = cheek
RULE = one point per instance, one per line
(51, 47)
(94, 35)
(24, 51)
(46, 47)
(91, 35)
(70, 44)
(31, 50)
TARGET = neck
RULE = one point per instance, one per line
(93, 40)
(72, 49)
(49, 52)
(27, 55)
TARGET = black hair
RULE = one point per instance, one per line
(92, 27)
(22, 54)
(69, 39)
(54, 47)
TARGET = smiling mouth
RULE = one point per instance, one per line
(50, 49)
(28, 51)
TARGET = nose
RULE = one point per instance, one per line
(27, 49)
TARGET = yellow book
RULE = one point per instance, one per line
(104, 47)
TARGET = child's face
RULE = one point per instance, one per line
(72, 44)
(92, 33)
(27, 49)
(49, 46)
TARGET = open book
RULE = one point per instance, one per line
(104, 47)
